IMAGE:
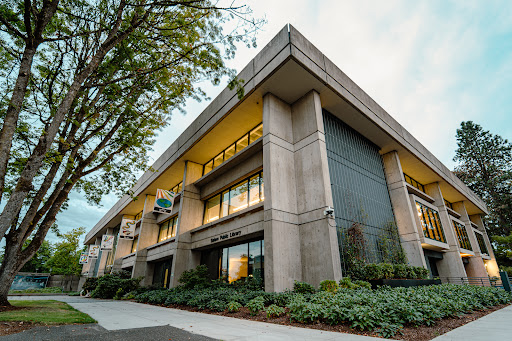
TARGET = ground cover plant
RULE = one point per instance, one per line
(384, 311)
(49, 290)
(46, 312)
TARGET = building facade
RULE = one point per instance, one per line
(253, 178)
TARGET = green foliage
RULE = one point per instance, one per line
(303, 288)
(347, 283)
(234, 306)
(274, 310)
(195, 278)
(113, 286)
(90, 284)
(47, 290)
(256, 305)
(39, 263)
(368, 272)
(329, 285)
(64, 260)
(46, 312)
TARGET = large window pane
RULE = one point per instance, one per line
(174, 226)
(254, 190)
(262, 192)
(163, 232)
(225, 204)
(238, 262)
(218, 160)
(230, 151)
(256, 260)
(242, 143)
(238, 197)
(208, 167)
(224, 264)
(134, 244)
(256, 133)
(212, 209)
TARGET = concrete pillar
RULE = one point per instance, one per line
(476, 266)
(490, 264)
(451, 265)
(281, 232)
(320, 256)
(96, 260)
(190, 216)
(403, 210)
(104, 257)
(148, 235)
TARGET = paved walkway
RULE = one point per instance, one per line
(123, 315)
(118, 315)
(495, 326)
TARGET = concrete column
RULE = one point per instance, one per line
(475, 267)
(96, 260)
(190, 216)
(148, 235)
(104, 253)
(281, 232)
(451, 265)
(490, 264)
(403, 210)
(320, 256)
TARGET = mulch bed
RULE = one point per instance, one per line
(12, 327)
(421, 333)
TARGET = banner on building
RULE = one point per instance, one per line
(164, 201)
(94, 251)
(127, 230)
(84, 258)
(107, 242)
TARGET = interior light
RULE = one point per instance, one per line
(239, 208)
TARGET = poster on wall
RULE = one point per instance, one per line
(107, 242)
(94, 251)
(164, 201)
(84, 258)
(127, 230)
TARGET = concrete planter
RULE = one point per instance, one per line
(403, 282)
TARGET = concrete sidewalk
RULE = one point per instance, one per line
(118, 315)
(495, 326)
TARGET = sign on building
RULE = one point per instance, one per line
(127, 230)
(164, 201)
(107, 242)
(94, 251)
(84, 258)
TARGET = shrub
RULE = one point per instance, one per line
(420, 272)
(196, 278)
(386, 270)
(255, 305)
(303, 288)
(329, 285)
(275, 311)
(372, 272)
(234, 306)
(110, 286)
(362, 284)
(401, 271)
(347, 283)
(90, 284)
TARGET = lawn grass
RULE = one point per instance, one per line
(45, 312)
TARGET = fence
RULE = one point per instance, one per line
(502, 282)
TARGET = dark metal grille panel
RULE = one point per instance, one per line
(359, 188)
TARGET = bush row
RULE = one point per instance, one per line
(387, 310)
(368, 272)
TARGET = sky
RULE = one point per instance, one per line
(429, 64)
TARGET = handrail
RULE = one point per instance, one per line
(479, 281)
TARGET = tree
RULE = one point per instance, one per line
(39, 263)
(65, 259)
(87, 85)
(485, 166)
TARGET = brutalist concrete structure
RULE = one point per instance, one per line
(255, 176)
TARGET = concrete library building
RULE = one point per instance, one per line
(266, 187)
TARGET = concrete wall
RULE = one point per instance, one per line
(403, 210)
(66, 282)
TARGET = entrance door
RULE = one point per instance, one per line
(162, 273)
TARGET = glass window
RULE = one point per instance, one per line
(238, 197)
(256, 260)
(134, 244)
(262, 192)
(230, 151)
(212, 209)
(225, 204)
(254, 190)
(256, 133)
(208, 167)
(174, 227)
(224, 264)
(238, 263)
(138, 216)
(218, 160)
(481, 243)
(462, 235)
(164, 230)
(242, 143)
(430, 222)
